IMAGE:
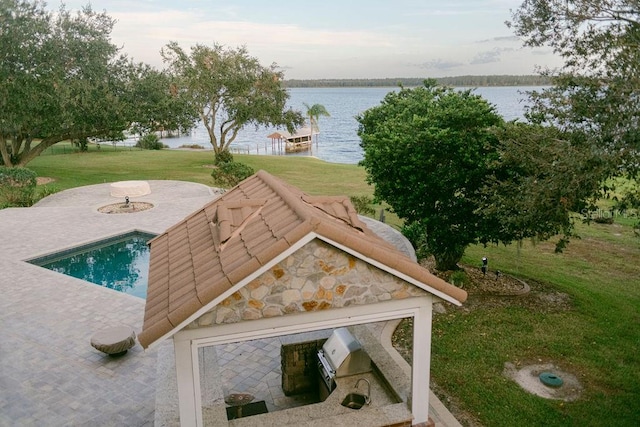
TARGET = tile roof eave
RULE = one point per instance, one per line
(152, 336)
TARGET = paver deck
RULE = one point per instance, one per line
(49, 373)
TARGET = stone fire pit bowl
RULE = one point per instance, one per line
(124, 189)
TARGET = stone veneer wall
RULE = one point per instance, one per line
(317, 277)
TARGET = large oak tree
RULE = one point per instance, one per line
(158, 106)
(457, 174)
(539, 177)
(61, 78)
(229, 89)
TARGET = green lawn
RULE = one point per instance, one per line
(595, 336)
(107, 165)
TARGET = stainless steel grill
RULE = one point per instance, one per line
(327, 376)
(341, 355)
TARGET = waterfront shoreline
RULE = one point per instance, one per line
(338, 139)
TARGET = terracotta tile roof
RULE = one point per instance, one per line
(206, 254)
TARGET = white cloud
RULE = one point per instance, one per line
(489, 56)
(406, 39)
(141, 33)
(440, 64)
(501, 39)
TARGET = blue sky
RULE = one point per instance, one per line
(334, 39)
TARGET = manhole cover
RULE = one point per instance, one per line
(550, 379)
(545, 380)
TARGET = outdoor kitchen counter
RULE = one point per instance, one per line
(389, 384)
(382, 411)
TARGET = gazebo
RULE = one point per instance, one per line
(265, 260)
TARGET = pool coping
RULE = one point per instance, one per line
(86, 247)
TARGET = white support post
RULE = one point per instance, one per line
(189, 410)
(421, 364)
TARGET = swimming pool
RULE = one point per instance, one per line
(120, 263)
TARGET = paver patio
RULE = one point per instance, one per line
(49, 373)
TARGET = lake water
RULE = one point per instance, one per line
(338, 141)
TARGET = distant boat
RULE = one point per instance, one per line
(299, 141)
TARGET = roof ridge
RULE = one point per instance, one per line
(294, 201)
(302, 203)
(351, 219)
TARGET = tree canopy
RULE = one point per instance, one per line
(428, 150)
(313, 113)
(159, 106)
(596, 92)
(61, 78)
(466, 81)
(538, 179)
(457, 174)
(228, 90)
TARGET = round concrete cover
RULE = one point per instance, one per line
(114, 340)
(123, 189)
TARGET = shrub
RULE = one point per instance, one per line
(230, 174)
(362, 205)
(223, 157)
(45, 191)
(17, 186)
(150, 142)
(604, 219)
(459, 278)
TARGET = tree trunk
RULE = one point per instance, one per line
(30, 153)
(448, 260)
(6, 158)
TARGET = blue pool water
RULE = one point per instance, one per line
(120, 263)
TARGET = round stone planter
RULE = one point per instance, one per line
(124, 189)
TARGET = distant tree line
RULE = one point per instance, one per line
(468, 81)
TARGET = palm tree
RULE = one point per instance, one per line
(314, 112)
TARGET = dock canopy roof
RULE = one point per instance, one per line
(196, 262)
(283, 134)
